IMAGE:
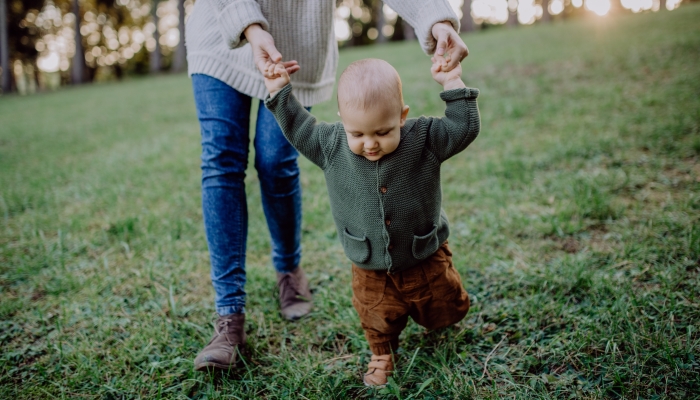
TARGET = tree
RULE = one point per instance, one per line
(4, 49)
(512, 18)
(21, 37)
(78, 70)
(467, 22)
(408, 32)
(155, 56)
(379, 20)
(180, 57)
(546, 17)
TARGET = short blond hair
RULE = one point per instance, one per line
(366, 82)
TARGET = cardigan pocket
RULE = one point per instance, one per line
(357, 249)
(424, 246)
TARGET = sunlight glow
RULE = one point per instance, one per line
(673, 4)
(638, 5)
(342, 28)
(57, 45)
(457, 7)
(492, 11)
(600, 7)
(372, 33)
(556, 7)
(512, 5)
(528, 12)
(390, 15)
(577, 3)
(49, 62)
(343, 12)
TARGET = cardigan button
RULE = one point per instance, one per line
(387, 222)
(383, 189)
(391, 247)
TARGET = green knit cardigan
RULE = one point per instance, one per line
(388, 212)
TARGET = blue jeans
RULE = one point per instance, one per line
(224, 118)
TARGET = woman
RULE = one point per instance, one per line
(228, 44)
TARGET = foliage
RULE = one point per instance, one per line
(22, 38)
(575, 226)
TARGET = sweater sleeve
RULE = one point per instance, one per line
(233, 16)
(422, 15)
(311, 138)
(459, 127)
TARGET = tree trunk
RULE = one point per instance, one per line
(398, 30)
(78, 71)
(4, 50)
(467, 22)
(546, 17)
(180, 61)
(154, 57)
(408, 32)
(379, 20)
(513, 18)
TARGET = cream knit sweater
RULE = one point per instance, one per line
(302, 30)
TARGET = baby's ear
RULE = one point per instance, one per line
(404, 114)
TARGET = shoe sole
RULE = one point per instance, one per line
(214, 367)
(296, 317)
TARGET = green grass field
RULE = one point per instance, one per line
(575, 226)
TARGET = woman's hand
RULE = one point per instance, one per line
(264, 50)
(450, 50)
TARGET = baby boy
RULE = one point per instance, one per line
(383, 177)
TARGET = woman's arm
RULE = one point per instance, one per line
(234, 16)
(264, 50)
(436, 26)
(241, 22)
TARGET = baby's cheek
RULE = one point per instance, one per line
(391, 145)
(354, 145)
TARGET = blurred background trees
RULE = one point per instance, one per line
(48, 43)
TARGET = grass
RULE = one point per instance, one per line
(575, 226)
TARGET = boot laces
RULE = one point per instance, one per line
(222, 328)
(288, 288)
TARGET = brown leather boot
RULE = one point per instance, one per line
(223, 349)
(295, 295)
(378, 370)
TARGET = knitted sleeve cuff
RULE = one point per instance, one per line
(235, 17)
(273, 102)
(422, 15)
(461, 93)
(434, 12)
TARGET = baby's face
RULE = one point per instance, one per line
(376, 132)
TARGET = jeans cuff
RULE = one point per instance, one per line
(226, 310)
(286, 264)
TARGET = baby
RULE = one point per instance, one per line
(383, 177)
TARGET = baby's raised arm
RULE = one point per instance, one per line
(461, 124)
(310, 137)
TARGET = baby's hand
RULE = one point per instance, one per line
(277, 75)
(449, 80)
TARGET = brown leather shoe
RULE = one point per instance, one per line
(222, 351)
(379, 369)
(295, 295)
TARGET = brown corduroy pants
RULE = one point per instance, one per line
(430, 292)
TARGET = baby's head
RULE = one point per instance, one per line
(370, 103)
